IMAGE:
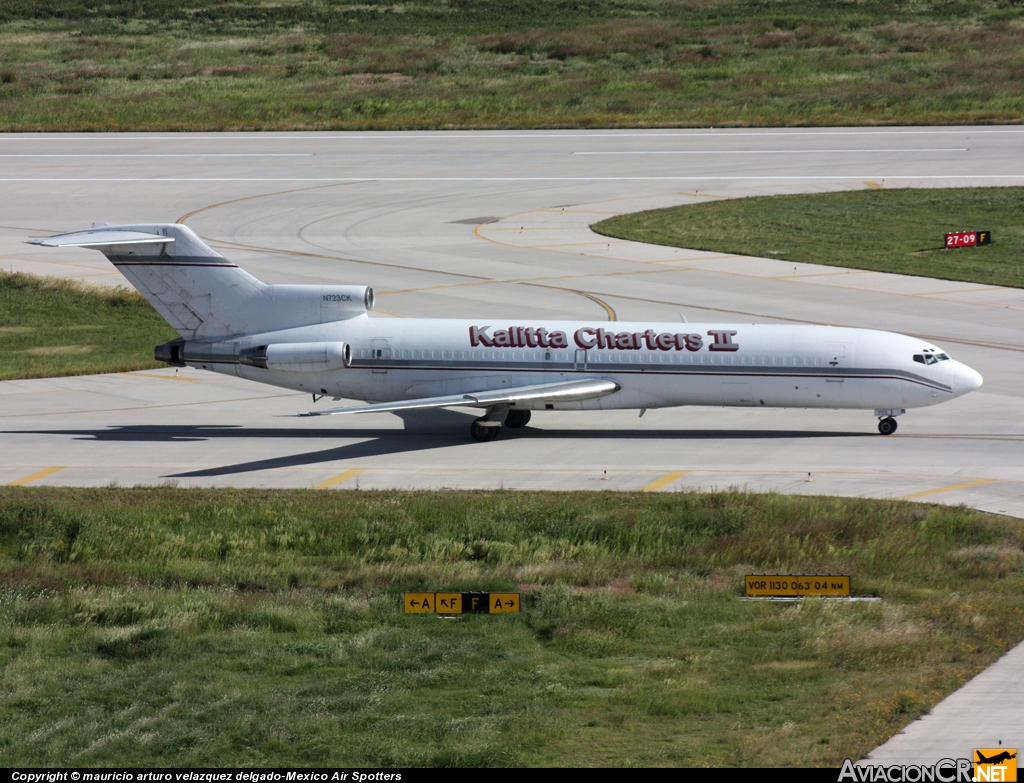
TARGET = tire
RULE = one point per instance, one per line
(887, 426)
(482, 434)
(517, 419)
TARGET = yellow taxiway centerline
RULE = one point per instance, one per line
(664, 481)
(948, 489)
(340, 478)
(36, 476)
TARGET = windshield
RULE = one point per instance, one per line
(930, 356)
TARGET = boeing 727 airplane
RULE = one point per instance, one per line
(319, 339)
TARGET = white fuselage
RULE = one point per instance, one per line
(656, 364)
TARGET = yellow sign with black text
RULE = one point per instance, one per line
(797, 585)
(995, 764)
(419, 603)
(448, 603)
(462, 603)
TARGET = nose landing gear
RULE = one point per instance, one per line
(887, 419)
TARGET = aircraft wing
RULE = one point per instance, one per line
(567, 391)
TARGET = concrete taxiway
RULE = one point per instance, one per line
(495, 224)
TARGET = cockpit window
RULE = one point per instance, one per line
(930, 357)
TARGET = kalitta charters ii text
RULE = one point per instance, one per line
(594, 337)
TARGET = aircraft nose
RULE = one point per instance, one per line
(966, 379)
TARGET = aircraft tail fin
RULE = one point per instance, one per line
(202, 294)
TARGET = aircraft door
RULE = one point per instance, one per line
(581, 359)
(380, 353)
(840, 354)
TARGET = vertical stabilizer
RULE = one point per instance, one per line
(201, 293)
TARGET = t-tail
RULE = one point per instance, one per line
(202, 294)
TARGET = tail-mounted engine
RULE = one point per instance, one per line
(287, 357)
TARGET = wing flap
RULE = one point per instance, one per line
(567, 391)
(100, 238)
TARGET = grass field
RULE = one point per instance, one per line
(884, 230)
(190, 627)
(213, 65)
(51, 327)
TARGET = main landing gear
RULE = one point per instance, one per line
(483, 430)
(887, 419)
(486, 427)
(517, 419)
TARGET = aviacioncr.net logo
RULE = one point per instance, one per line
(942, 771)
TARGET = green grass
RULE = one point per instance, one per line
(884, 230)
(213, 65)
(143, 627)
(51, 327)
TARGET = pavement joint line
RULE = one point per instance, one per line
(948, 489)
(36, 476)
(162, 377)
(699, 133)
(150, 407)
(574, 244)
(822, 274)
(824, 178)
(558, 469)
(664, 481)
(341, 478)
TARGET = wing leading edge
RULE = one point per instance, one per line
(569, 391)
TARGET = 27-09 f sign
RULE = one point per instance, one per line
(967, 238)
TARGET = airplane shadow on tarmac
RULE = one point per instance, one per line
(421, 433)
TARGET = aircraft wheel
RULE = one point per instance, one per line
(887, 426)
(516, 419)
(481, 433)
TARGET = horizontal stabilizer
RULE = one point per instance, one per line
(569, 391)
(100, 238)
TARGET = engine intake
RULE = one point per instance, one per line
(172, 353)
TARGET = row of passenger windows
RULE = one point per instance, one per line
(599, 357)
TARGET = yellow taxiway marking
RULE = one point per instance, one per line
(607, 307)
(36, 476)
(163, 377)
(822, 274)
(948, 489)
(959, 291)
(340, 478)
(574, 244)
(665, 480)
(874, 185)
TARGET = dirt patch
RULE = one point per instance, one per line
(57, 350)
(14, 329)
